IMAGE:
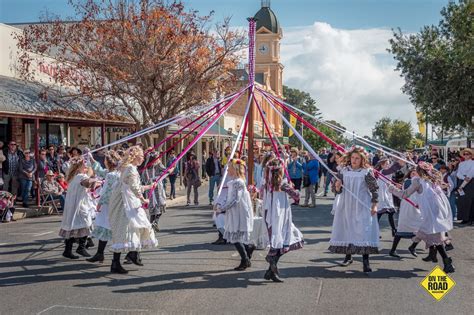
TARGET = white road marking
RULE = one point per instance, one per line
(91, 308)
(1, 244)
(319, 291)
(32, 233)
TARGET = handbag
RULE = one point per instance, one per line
(306, 181)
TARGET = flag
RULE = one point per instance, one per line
(421, 122)
(293, 123)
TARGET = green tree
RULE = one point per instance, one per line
(438, 66)
(396, 134)
(301, 100)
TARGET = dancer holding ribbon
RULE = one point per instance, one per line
(435, 210)
(355, 228)
(131, 229)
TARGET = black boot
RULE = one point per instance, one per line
(133, 258)
(273, 261)
(347, 261)
(431, 255)
(274, 277)
(220, 240)
(81, 249)
(68, 249)
(393, 251)
(365, 261)
(412, 249)
(89, 243)
(244, 260)
(250, 249)
(268, 274)
(116, 267)
(99, 256)
(448, 265)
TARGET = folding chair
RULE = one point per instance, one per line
(48, 199)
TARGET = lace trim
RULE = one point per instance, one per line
(133, 246)
(285, 249)
(102, 233)
(353, 249)
(74, 233)
(237, 237)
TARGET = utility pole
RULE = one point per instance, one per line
(252, 30)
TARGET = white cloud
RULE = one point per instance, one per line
(348, 72)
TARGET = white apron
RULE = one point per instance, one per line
(353, 223)
(435, 209)
(409, 217)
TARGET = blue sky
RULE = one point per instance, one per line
(410, 15)
(334, 49)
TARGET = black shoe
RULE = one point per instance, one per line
(448, 247)
(464, 222)
(244, 264)
(133, 258)
(117, 268)
(394, 253)
(219, 241)
(274, 277)
(83, 252)
(70, 255)
(347, 261)
(96, 258)
(272, 260)
(250, 249)
(432, 255)
(268, 275)
(89, 243)
(448, 265)
(412, 250)
(366, 267)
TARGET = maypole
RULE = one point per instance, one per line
(250, 133)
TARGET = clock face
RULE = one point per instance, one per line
(263, 49)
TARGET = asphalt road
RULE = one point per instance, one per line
(187, 275)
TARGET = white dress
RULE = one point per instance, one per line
(238, 213)
(131, 229)
(385, 204)
(219, 218)
(435, 211)
(409, 218)
(283, 234)
(77, 219)
(102, 229)
(354, 229)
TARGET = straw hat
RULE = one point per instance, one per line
(466, 150)
(49, 173)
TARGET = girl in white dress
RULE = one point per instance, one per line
(409, 218)
(282, 233)
(355, 228)
(102, 230)
(77, 220)
(434, 207)
(238, 213)
(131, 229)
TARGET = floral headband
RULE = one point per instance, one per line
(238, 162)
(426, 166)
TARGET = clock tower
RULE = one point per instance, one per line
(268, 69)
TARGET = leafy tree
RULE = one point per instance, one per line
(396, 134)
(438, 66)
(301, 100)
(149, 58)
(317, 142)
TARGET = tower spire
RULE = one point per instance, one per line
(265, 3)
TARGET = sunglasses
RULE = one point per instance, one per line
(466, 153)
(12, 143)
